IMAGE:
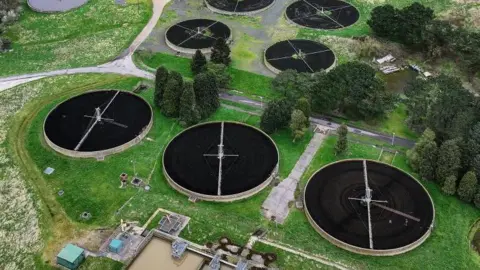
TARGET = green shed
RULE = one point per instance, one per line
(71, 256)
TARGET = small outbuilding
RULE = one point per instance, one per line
(115, 246)
(71, 256)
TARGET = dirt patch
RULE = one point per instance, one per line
(348, 49)
(92, 240)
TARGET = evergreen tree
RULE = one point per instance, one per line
(476, 164)
(161, 77)
(304, 105)
(342, 141)
(220, 52)
(476, 198)
(473, 143)
(448, 161)
(275, 116)
(189, 114)
(422, 157)
(467, 187)
(206, 93)
(171, 98)
(221, 74)
(198, 63)
(450, 185)
(298, 123)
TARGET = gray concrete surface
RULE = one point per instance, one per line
(276, 204)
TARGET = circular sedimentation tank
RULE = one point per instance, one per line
(197, 34)
(239, 7)
(369, 207)
(52, 6)
(322, 14)
(220, 161)
(98, 123)
(300, 55)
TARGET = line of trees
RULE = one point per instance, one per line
(187, 101)
(350, 89)
(449, 149)
(191, 102)
(415, 26)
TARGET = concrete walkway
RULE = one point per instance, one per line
(276, 204)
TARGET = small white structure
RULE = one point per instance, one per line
(389, 69)
(386, 59)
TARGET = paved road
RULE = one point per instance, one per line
(323, 121)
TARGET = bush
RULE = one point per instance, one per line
(198, 63)
(450, 185)
(275, 116)
(206, 93)
(467, 187)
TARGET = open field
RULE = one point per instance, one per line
(90, 35)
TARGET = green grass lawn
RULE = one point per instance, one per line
(100, 264)
(392, 122)
(243, 83)
(92, 34)
(447, 247)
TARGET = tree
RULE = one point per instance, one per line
(304, 105)
(476, 164)
(161, 77)
(222, 77)
(467, 186)
(327, 93)
(450, 185)
(298, 123)
(275, 116)
(362, 94)
(450, 108)
(384, 22)
(220, 52)
(473, 143)
(198, 63)
(293, 85)
(412, 21)
(418, 101)
(342, 141)
(448, 161)
(423, 156)
(476, 198)
(189, 114)
(171, 98)
(206, 93)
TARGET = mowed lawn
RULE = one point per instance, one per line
(92, 34)
(447, 248)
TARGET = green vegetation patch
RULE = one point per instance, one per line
(247, 83)
(92, 34)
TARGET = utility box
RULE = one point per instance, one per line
(71, 256)
(115, 246)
